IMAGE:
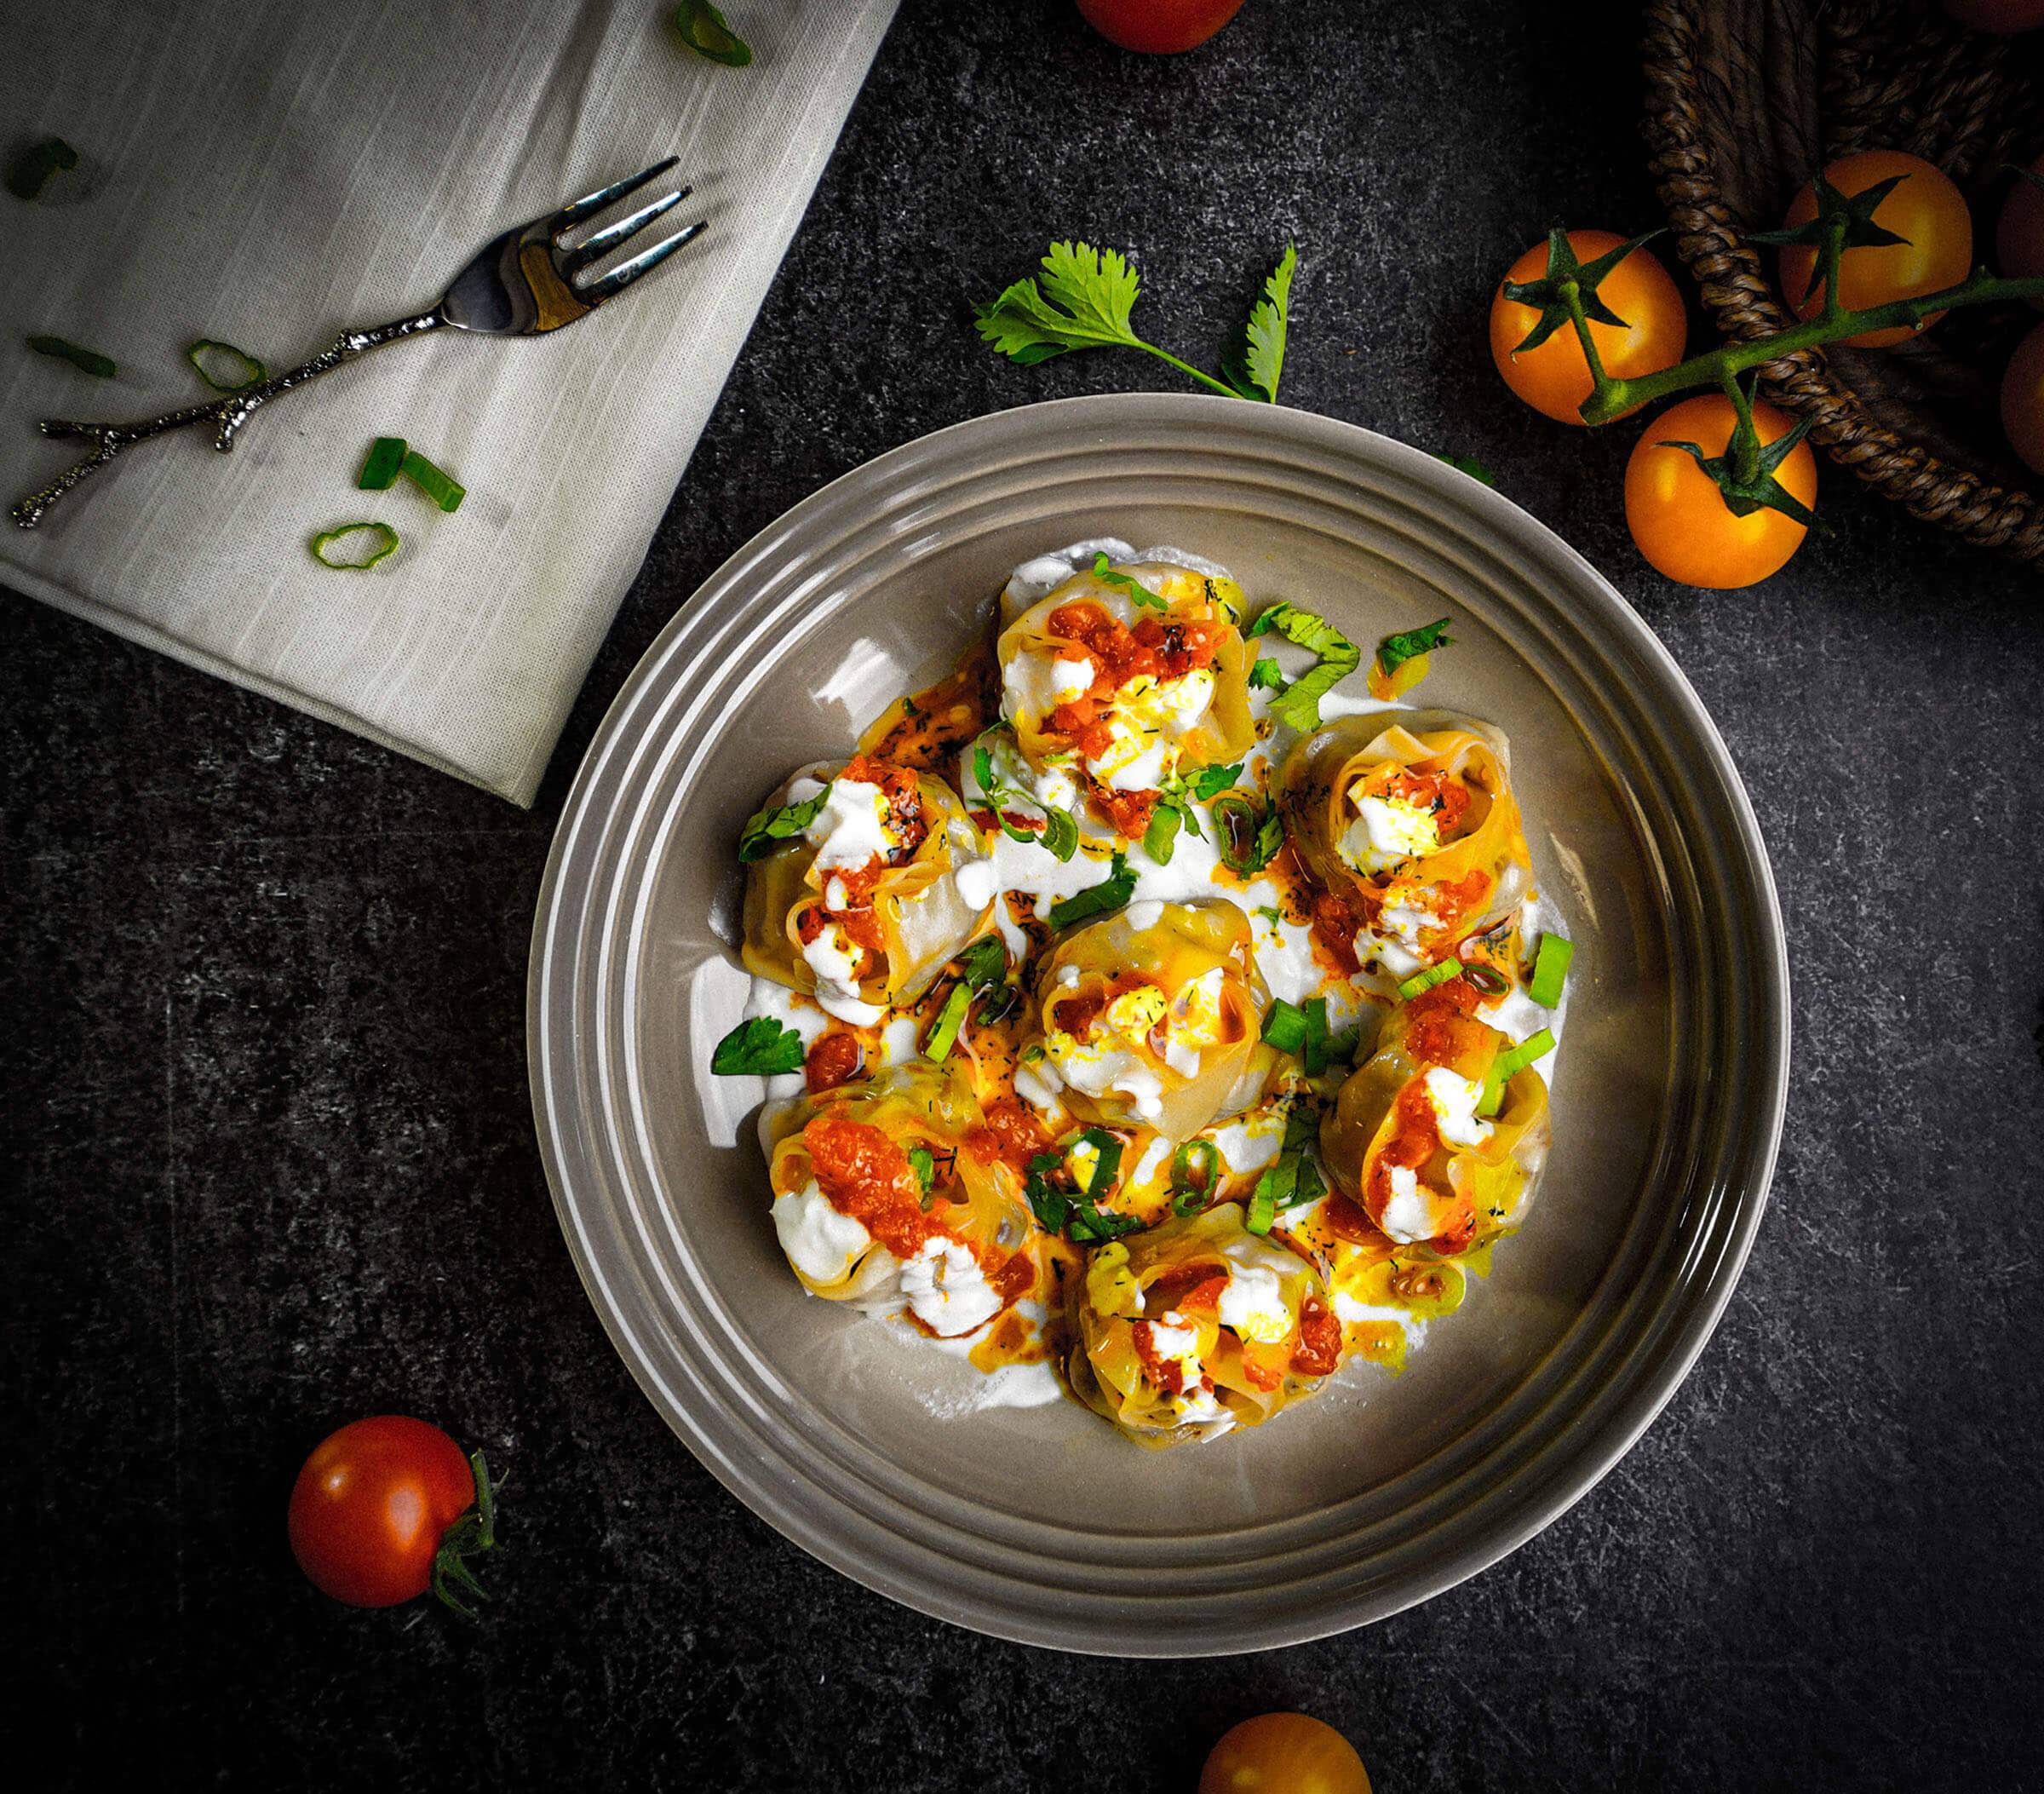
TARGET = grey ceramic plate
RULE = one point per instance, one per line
(1042, 1525)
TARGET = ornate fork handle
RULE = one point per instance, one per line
(229, 412)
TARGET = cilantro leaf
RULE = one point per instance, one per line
(1298, 705)
(1061, 832)
(1294, 1178)
(1138, 595)
(1211, 781)
(759, 1047)
(1266, 676)
(1084, 302)
(1254, 367)
(1112, 893)
(1060, 1204)
(767, 828)
(1394, 651)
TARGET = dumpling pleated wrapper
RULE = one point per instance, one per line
(1153, 1016)
(848, 1148)
(1131, 731)
(920, 920)
(1387, 1142)
(1197, 1327)
(1426, 900)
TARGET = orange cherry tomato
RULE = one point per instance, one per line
(1678, 515)
(2022, 399)
(1554, 379)
(2002, 17)
(1158, 27)
(1925, 210)
(2019, 235)
(371, 1505)
(1284, 1753)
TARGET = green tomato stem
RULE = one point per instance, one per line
(1613, 398)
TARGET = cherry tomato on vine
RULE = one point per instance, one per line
(1284, 1753)
(1159, 27)
(1924, 210)
(388, 1506)
(1679, 518)
(2003, 17)
(2019, 234)
(1554, 378)
(2022, 399)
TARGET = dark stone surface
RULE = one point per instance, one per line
(270, 1164)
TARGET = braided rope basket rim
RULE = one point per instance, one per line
(1738, 292)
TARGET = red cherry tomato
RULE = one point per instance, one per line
(1678, 515)
(2003, 17)
(1158, 27)
(1924, 209)
(371, 1505)
(2019, 235)
(1284, 1753)
(2022, 399)
(1554, 378)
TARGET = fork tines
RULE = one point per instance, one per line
(595, 247)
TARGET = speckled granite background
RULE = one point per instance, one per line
(269, 1159)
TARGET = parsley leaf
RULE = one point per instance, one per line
(1138, 593)
(1267, 675)
(1112, 893)
(1298, 705)
(768, 828)
(1394, 651)
(1211, 781)
(1254, 367)
(759, 1047)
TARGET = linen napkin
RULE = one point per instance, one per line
(268, 176)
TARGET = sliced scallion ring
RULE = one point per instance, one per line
(949, 1019)
(1550, 970)
(386, 535)
(707, 31)
(251, 371)
(86, 361)
(443, 490)
(1426, 981)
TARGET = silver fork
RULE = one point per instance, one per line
(521, 284)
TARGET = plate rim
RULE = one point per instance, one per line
(1613, 1431)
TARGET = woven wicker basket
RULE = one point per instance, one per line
(1745, 99)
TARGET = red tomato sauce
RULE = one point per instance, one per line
(1435, 1023)
(1167, 1374)
(864, 1175)
(1185, 1286)
(1012, 1135)
(1440, 792)
(833, 1058)
(1319, 1350)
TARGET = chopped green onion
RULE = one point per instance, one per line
(949, 1019)
(1107, 1160)
(1488, 981)
(1550, 970)
(1284, 1027)
(1192, 1185)
(444, 491)
(1112, 893)
(380, 468)
(767, 828)
(762, 1048)
(1394, 651)
(86, 361)
(1263, 1206)
(1426, 981)
(385, 535)
(253, 369)
(1061, 833)
(1314, 1050)
(706, 31)
(1161, 838)
(27, 172)
(1508, 1065)
(923, 1162)
(1342, 1047)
